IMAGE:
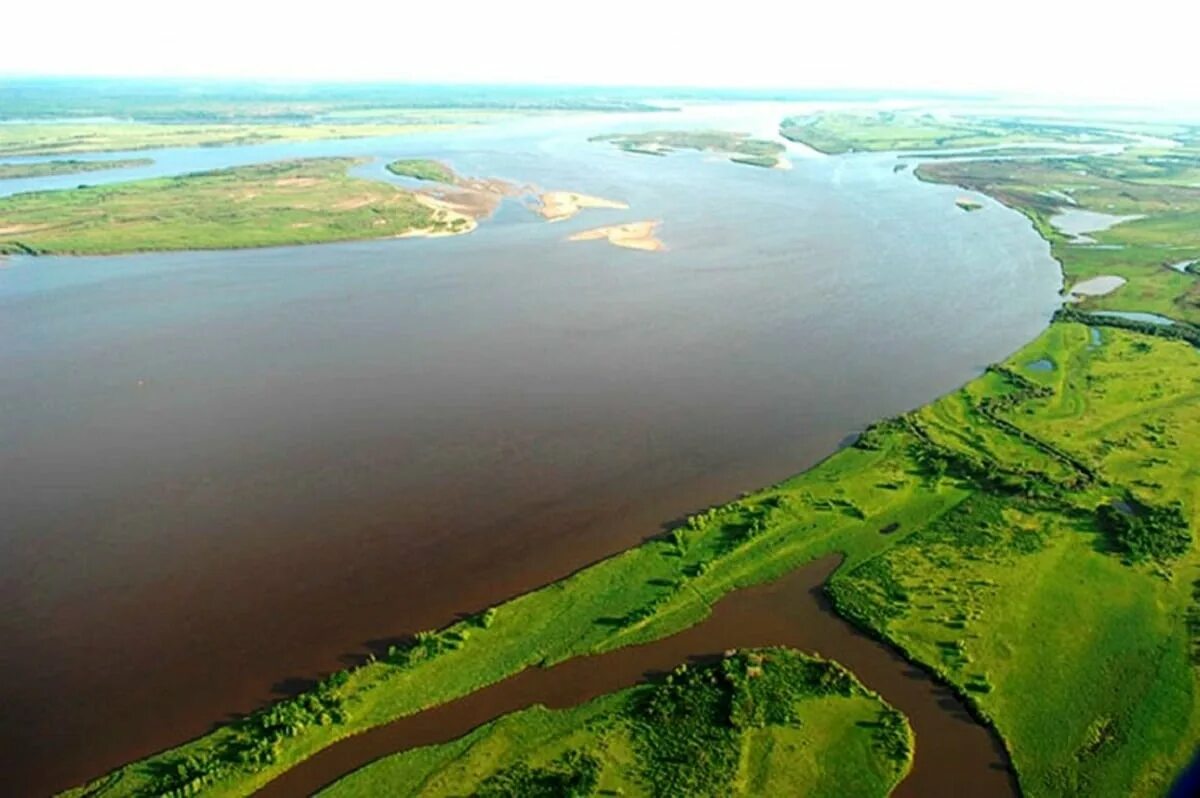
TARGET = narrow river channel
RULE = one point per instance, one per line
(955, 754)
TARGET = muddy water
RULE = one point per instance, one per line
(225, 473)
(954, 754)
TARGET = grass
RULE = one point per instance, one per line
(740, 147)
(56, 138)
(288, 202)
(66, 167)
(1080, 656)
(756, 723)
(836, 133)
(423, 169)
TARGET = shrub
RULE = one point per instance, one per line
(1142, 531)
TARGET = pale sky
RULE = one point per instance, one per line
(1145, 50)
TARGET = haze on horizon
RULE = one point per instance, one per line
(1066, 50)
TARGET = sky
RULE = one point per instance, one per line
(1143, 50)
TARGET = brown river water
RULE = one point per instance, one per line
(224, 474)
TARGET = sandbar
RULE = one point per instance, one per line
(559, 205)
(632, 235)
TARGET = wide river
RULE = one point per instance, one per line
(225, 473)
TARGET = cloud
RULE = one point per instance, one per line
(1050, 49)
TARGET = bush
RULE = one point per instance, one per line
(1142, 531)
(573, 774)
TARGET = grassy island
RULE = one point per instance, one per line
(66, 167)
(740, 147)
(755, 723)
(1029, 537)
(303, 201)
(423, 169)
(288, 202)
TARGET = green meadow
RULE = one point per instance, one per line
(757, 723)
(287, 202)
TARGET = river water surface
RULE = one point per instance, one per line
(226, 473)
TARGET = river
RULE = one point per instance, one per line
(225, 473)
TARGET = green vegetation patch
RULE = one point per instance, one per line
(740, 147)
(288, 202)
(1062, 613)
(744, 725)
(66, 167)
(1145, 532)
(835, 133)
(423, 169)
